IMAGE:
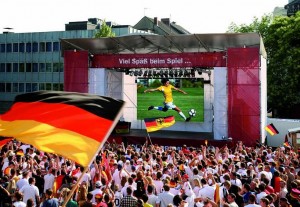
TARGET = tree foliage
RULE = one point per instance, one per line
(104, 31)
(281, 36)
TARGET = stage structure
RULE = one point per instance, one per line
(233, 67)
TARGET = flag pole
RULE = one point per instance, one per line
(149, 138)
(91, 161)
(148, 135)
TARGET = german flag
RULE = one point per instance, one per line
(4, 140)
(271, 129)
(154, 124)
(73, 125)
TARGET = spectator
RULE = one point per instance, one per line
(49, 200)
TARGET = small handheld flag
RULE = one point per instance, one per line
(271, 129)
(154, 124)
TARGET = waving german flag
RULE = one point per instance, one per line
(73, 125)
(271, 129)
(154, 124)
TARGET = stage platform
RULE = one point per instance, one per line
(170, 138)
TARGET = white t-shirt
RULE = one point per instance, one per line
(117, 176)
(118, 198)
(22, 182)
(49, 181)
(29, 191)
(95, 192)
(19, 204)
(207, 192)
(158, 186)
(152, 199)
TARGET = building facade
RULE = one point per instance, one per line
(33, 61)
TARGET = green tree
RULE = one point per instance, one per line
(261, 26)
(104, 31)
(282, 42)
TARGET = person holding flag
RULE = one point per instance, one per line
(166, 90)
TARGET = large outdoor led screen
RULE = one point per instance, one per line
(194, 99)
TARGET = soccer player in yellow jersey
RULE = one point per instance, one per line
(166, 89)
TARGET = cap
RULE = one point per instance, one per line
(271, 160)
(285, 200)
(98, 195)
(186, 176)
(98, 184)
(140, 160)
(11, 153)
(295, 193)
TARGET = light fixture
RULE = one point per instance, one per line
(199, 72)
(180, 73)
(193, 73)
(145, 73)
(171, 73)
(140, 73)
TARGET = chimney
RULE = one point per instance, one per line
(166, 21)
(155, 21)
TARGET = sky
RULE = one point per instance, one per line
(197, 16)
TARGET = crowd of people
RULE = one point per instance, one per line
(150, 175)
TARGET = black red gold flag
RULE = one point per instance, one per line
(73, 125)
(154, 124)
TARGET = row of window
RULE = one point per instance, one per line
(30, 47)
(31, 67)
(29, 87)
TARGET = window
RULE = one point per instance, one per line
(22, 47)
(42, 47)
(48, 46)
(42, 86)
(35, 67)
(48, 67)
(8, 67)
(48, 87)
(21, 87)
(15, 87)
(55, 67)
(28, 67)
(15, 47)
(28, 47)
(8, 87)
(28, 87)
(2, 48)
(42, 67)
(2, 87)
(15, 67)
(61, 87)
(2, 67)
(35, 47)
(55, 86)
(55, 46)
(34, 87)
(61, 67)
(21, 67)
(8, 47)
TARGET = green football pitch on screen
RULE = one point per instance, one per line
(194, 99)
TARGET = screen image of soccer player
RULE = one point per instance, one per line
(193, 99)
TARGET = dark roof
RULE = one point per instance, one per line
(146, 43)
(148, 24)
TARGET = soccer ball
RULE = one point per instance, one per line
(192, 112)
